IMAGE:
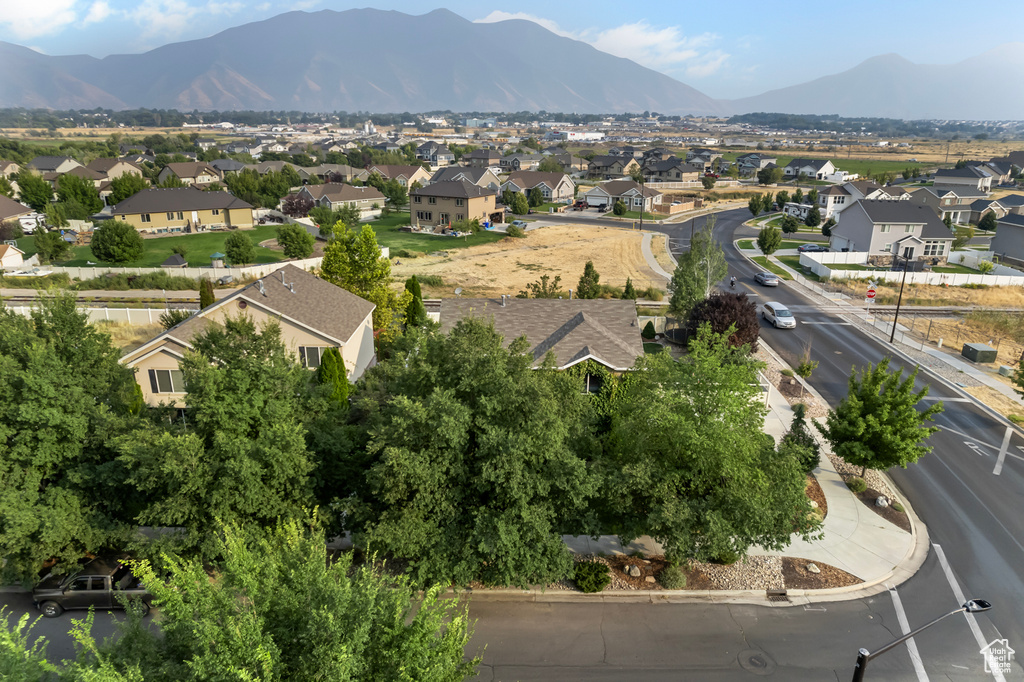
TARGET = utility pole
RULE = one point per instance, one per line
(899, 300)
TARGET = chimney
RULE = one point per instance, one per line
(570, 295)
(503, 300)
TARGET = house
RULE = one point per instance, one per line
(387, 147)
(205, 143)
(110, 169)
(8, 169)
(128, 148)
(443, 203)
(518, 162)
(182, 209)
(570, 163)
(887, 228)
(814, 169)
(658, 154)
(672, 169)
(53, 164)
(833, 199)
(405, 175)
(484, 177)
(750, 164)
(335, 196)
(869, 189)
(11, 209)
(80, 171)
(11, 256)
(949, 201)
(627, 150)
(195, 173)
(703, 158)
(437, 155)
(628, 191)
(225, 166)
(611, 167)
(333, 172)
(313, 314)
(1008, 242)
(605, 331)
(482, 158)
(979, 207)
(1013, 203)
(554, 187)
(264, 167)
(969, 176)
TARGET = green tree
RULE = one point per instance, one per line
(333, 374)
(962, 239)
(826, 227)
(295, 240)
(988, 221)
(76, 188)
(116, 241)
(206, 296)
(754, 205)
(550, 165)
(619, 207)
(629, 291)
(588, 286)
(33, 190)
(239, 248)
(769, 176)
(798, 196)
(470, 443)
(790, 224)
(708, 181)
(545, 287)
(6, 188)
(535, 197)
(697, 272)
(416, 312)
(781, 198)
(687, 462)
(174, 317)
(520, 205)
(172, 181)
(766, 202)
(50, 245)
(769, 239)
(876, 425)
(813, 218)
(812, 197)
(799, 441)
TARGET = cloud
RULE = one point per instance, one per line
(169, 19)
(663, 49)
(99, 11)
(25, 19)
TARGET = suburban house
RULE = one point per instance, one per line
(833, 199)
(672, 169)
(703, 158)
(8, 169)
(387, 147)
(11, 209)
(1013, 203)
(484, 177)
(554, 187)
(611, 167)
(406, 175)
(658, 154)
(437, 155)
(969, 176)
(264, 167)
(869, 189)
(183, 209)
(205, 143)
(92, 176)
(1001, 171)
(629, 191)
(815, 169)
(887, 228)
(442, 203)
(627, 150)
(517, 162)
(336, 195)
(980, 207)
(750, 164)
(53, 164)
(949, 201)
(11, 256)
(482, 158)
(570, 163)
(113, 168)
(313, 314)
(605, 331)
(225, 166)
(333, 172)
(1008, 242)
(195, 173)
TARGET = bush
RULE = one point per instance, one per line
(59, 279)
(652, 294)
(898, 507)
(591, 576)
(515, 231)
(857, 484)
(672, 578)
(619, 208)
(173, 317)
(403, 253)
(430, 280)
(116, 242)
(787, 373)
(648, 332)
(727, 558)
(152, 280)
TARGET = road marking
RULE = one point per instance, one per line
(975, 447)
(915, 656)
(959, 594)
(1002, 451)
(947, 400)
(981, 442)
(836, 324)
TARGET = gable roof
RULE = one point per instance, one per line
(456, 189)
(669, 164)
(390, 172)
(486, 154)
(103, 165)
(338, 191)
(962, 191)
(1014, 219)
(617, 188)
(48, 163)
(604, 330)
(530, 179)
(906, 212)
(965, 172)
(603, 161)
(9, 208)
(7, 248)
(834, 190)
(816, 164)
(1012, 200)
(190, 169)
(227, 165)
(450, 173)
(161, 200)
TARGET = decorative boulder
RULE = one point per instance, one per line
(813, 568)
(634, 571)
(882, 501)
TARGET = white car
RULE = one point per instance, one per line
(779, 315)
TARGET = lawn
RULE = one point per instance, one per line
(389, 235)
(652, 348)
(771, 267)
(635, 215)
(746, 244)
(158, 249)
(794, 263)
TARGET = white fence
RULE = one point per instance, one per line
(133, 316)
(690, 184)
(255, 271)
(829, 266)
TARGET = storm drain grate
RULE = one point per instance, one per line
(777, 595)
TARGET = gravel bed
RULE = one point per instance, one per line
(749, 573)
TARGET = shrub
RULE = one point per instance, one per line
(152, 280)
(515, 231)
(59, 279)
(857, 484)
(648, 332)
(173, 317)
(591, 576)
(672, 578)
(652, 294)
(726, 558)
(403, 253)
(787, 372)
(898, 507)
(430, 280)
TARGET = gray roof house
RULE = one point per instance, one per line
(603, 330)
(812, 168)
(973, 176)
(1008, 242)
(484, 177)
(53, 164)
(887, 228)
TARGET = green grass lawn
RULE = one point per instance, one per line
(791, 243)
(389, 235)
(746, 244)
(652, 348)
(794, 263)
(635, 215)
(771, 267)
(956, 269)
(158, 249)
(546, 208)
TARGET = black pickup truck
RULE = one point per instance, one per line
(99, 585)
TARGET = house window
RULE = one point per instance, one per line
(908, 228)
(170, 215)
(215, 211)
(460, 202)
(934, 248)
(181, 216)
(638, 201)
(424, 215)
(417, 200)
(443, 218)
(166, 381)
(145, 218)
(310, 356)
(887, 248)
(459, 217)
(885, 228)
(593, 383)
(431, 200)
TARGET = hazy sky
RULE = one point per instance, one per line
(725, 49)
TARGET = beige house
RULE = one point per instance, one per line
(183, 209)
(554, 187)
(450, 202)
(113, 168)
(610, 167)
(314, 315)
(191, 173)
(406, 175)
(336, 195)
(627, 191)
(11, 256)
(11, 209)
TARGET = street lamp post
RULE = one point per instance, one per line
(899, 300)
(864, 656)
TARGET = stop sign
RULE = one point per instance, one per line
(871, 293)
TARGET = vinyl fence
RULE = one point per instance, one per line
(132, 316)
(248, 271)
(830, 266)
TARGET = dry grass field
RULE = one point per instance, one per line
(924, 294)
(128, 337)
(506, 266)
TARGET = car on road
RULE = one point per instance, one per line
(767, 279)
(101, 584)
(519, 223)
(778, 315)
(812, 248)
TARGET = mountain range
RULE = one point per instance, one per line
(388, 61)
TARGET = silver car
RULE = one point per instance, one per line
(779, 315)
(767, 279)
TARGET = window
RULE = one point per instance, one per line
(460, 202)
(79, 585)
(908, 228)
(310, 356)
(431, 200)
(417, 200)
(170, 215)
(145, 218)
(638, 201)
(934, 248)
(215, 211)
(443, 217)
(887, 248)
(592, 383)
(459, 217)
(181, 216)
(166, 381)
(885, 228)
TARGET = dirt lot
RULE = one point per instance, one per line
(505, 267)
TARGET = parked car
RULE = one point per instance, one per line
(519, 223)
(767, 279)
(811, 248)
(99, 585)
(779, 315)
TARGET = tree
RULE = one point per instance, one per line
(806, 367)
(206, 296)
(76, 188)
(619, 207)
(10, 230)
(333, 374)
(172, 181)
(117, 242)
(469, 442)
(519, 205)
(708, 181)
(963, 238)
(535, 197)
(415, 313)
(813, 218)
(297, 205)
(687, 462)
(174, 317)
(800, 442)
(782, 198)
(508, 196)
(629, 291)
(769, 239)
(876, 425)
(769, 176)
(790, 224)
(295, 240)
(545, 287)
(731, 315)
(798, 196)
(948, 221)
(588, 286)
(826, 227)
(550, 165)
(181, 249)
(6, 188)
(50, 245)
(988, 221)
(33, 190)
(697, 272)
(239, 248)
(812, 196)
(754, 205)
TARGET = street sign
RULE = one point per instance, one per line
(871, 293)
